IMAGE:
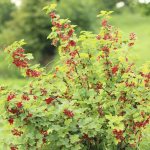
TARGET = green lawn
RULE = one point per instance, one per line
(13, 82)
(141, 26)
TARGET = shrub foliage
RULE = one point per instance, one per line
(94, 98)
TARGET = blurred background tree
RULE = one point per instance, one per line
(81, 12)
(30, 23)
(6, 8)
(145, 8)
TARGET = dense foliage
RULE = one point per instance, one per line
(94, 98)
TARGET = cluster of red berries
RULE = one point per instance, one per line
(104, 23)
(32, 73)
(145, 75)
(49, 100)
(114, 69)
(70, 61)
(13, 148)
(19, 104)
(105, 49)
(107, 36)
(11, 121)
(142, 123)
(52, 15)
(73, 53)
(68, 113)
(118, 134)
(98, 37)
(131, 84)
(130, 44)
(72, 43)
(44, 132)
(11, 96)
(25, 97)
(13, 110)
(43, 91)
(16, 132)
(132, 36)
(147, 78)
(64, 36)
(19, 58)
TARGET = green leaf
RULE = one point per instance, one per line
(74, 138)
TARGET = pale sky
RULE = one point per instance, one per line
(144, 1)
(17, 2)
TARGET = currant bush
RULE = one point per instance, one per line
(94, 98)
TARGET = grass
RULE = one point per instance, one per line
(13, 82)
(140, 25)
